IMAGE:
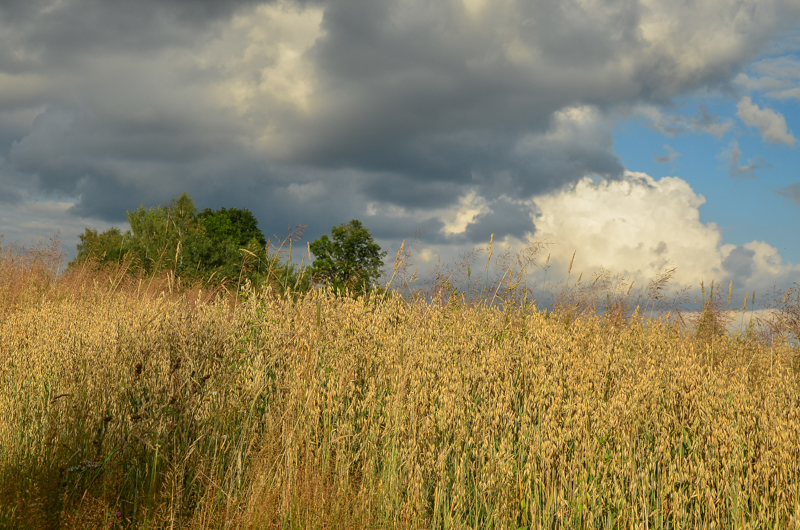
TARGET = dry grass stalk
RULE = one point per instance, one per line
(125, 406)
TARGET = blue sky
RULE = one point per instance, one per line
(744, 208)
(637, 135)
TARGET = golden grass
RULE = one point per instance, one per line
(125, 406)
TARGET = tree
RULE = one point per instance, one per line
(218, 249)
(107, 247)
(158, 233)
(235, 225)
(349, 259)
(210, 245)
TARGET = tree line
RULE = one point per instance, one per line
(225, 245)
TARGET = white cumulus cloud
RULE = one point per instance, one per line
(771, 124)
(638, 226)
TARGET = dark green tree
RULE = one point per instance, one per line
(229, 245)
(235, 225)
(349, 259)
(212, 245)
(205, 245)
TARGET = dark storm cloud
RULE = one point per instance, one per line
(72, 21)
(427, 230)
(279, 196)
(429, 172)
(9, 194)
(410, 104)
(429, 91)
(62, 35)
(68, 150)
(506, 218)
(105, 198)
(404, 191)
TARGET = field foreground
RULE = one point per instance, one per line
(127, 408)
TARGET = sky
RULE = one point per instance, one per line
(636, 135)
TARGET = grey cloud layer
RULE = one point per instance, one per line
(411, 104)
(791, 192)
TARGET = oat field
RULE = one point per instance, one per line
(129, 403)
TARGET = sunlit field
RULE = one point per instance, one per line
(131, 402)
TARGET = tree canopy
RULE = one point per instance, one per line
(350, 258)
(237, 226)
(106, 247)
(220, 244)
(226, 244)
